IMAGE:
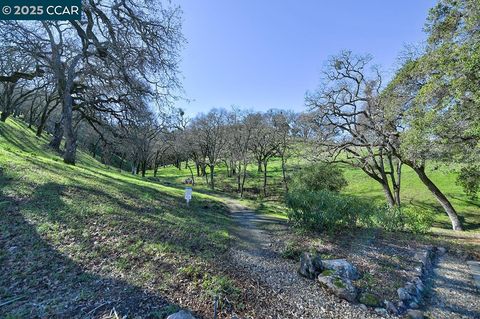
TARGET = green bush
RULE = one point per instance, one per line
(325, 210)
(330, 211)
(469, 179)
(389, 218)
(319, 177)
(411, 218)
(418, 220)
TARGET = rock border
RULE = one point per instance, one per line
(410, 295)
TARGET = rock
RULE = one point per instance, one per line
(425, 258)
(182, 314)
(403, 295)
(12, 249)
(390, 307)
(339, 286)
(441, 251)
(413, 305)
(381, 311)
(410, 288)
(341, 267)
(310, 266)
(415, 314)
(369, 299)
(363, 307)
(419, 285)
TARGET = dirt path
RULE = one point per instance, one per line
(290, 296)
(454, 294)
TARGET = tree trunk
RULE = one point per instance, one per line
(441, 198)
(198, 169)
(397, 185)
(244, 177)
(265, 178)
(284, 173)
(191, 173)
(259, 166)
(239, 178)
(121, 163)
(228, 169)
(144, 168)
(30, 118)
(4, 116)
(70, 136)
(65, 84)
(212, 183)
(57, 135)
(388, 194)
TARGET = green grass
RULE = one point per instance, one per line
(413, 192)
(94, 220)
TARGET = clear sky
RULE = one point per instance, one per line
(261, 54)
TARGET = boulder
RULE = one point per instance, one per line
(341, 267)
(403, 295)
(390, 307)
(413, 305)
(339, 286)
(182, 314)
(310, 266)
(441, 251)
(381, 311)
(411, 289)
(415, 314)
(425, 258)
(419, 285)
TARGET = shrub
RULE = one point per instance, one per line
(418, 220)
(411, 218)
(325, 210)
(330, 211)
(389, 218)
(319, 177)
(291, 251)
(469, 179)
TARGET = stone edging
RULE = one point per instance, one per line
(410, 295)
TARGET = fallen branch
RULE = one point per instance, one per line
(11, 300)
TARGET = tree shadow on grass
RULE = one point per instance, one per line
(470, 220)
(48, 283)
(60, 245)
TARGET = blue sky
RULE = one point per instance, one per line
(266, 54)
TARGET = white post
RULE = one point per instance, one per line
(188, 195)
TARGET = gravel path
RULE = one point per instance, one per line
(291, 296)
(454, 294)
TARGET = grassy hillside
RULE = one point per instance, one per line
(74, 238)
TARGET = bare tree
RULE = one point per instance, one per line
(265, 141)
(353, 126)
(132, 44)
(209, 133)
